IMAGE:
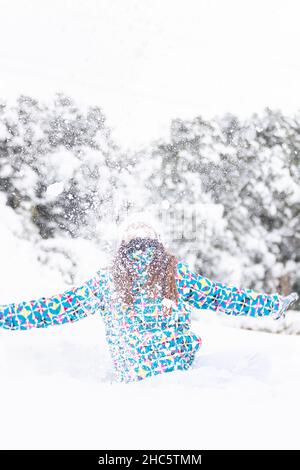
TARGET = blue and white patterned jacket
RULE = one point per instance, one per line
(148, 339)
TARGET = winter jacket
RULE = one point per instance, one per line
(148, 339)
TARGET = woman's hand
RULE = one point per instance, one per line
(285, 303)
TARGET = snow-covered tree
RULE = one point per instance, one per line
(59, 164)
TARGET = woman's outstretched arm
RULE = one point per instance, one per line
(203, 293)
(69, 306)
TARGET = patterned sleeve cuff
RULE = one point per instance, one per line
(276, 307)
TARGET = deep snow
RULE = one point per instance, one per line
(57, 392)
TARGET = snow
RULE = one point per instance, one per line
(242, 392)
(126, 56)
(35, 267)
(54, 190)
(3, 132)
(57, 389)
(61, 165)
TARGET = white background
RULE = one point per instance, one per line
(146, 62)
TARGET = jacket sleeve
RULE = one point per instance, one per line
(70, 306)
(204, 293)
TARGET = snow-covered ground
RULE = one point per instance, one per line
(56, 383)
(57, 392)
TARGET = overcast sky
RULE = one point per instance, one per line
(146, 61)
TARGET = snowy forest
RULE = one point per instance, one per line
(64, 179)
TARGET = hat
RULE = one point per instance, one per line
(138, 226)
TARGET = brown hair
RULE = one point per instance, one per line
(161, 270)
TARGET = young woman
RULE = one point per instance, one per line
(145, 298)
